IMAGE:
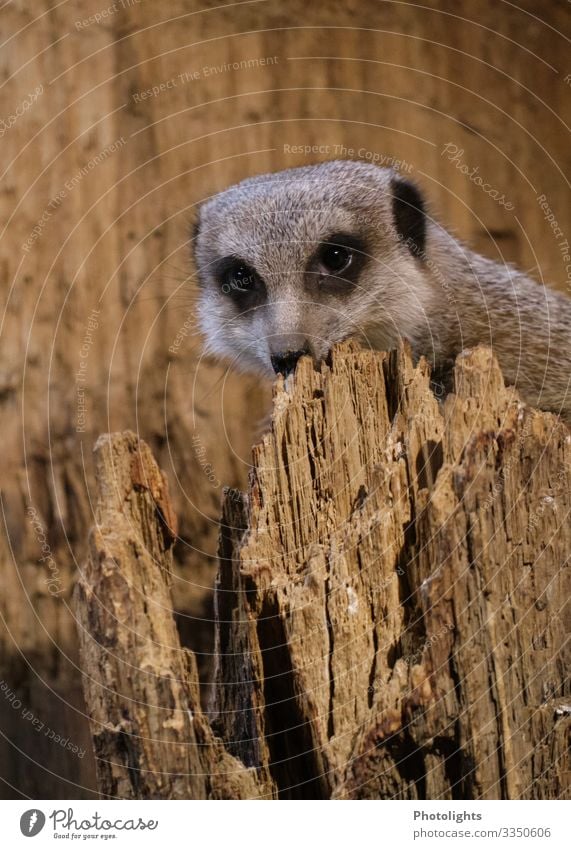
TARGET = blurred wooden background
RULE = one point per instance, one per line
(101, 175)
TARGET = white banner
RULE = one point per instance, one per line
(322, 824)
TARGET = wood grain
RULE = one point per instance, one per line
(392, 608)
(393, 79)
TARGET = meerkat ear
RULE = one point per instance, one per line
(409, 215)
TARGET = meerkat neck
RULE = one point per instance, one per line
(476, 301)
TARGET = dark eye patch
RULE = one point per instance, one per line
(240, 282)
(337, 262)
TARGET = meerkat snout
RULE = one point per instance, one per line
(290, 263)
(285, 362)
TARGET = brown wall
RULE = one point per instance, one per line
(394, 79)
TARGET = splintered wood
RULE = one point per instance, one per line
(392, 605)
(150, 737)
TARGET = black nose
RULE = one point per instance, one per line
(285, 363)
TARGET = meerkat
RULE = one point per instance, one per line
(290, 263)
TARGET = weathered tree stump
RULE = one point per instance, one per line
(150, 737)
(392, 606)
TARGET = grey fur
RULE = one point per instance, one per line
(443, 300)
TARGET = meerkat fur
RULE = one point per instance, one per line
(291, 262)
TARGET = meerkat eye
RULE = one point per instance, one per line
(237, 277)
(336, 264)
(240, 282)
(335, 259)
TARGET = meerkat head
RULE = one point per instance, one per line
(292, 262)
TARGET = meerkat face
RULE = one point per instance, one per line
(292, 262)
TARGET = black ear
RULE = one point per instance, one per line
(409, 215)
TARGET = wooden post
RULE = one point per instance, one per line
(392, 605)
(150, 737)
